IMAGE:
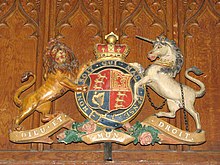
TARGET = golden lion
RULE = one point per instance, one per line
(61, 69)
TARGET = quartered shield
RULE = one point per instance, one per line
(110, 91)
(109, 100)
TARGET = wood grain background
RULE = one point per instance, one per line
(27, 25)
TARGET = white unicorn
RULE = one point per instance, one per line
(160, 77)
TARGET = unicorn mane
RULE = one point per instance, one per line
(179, 57)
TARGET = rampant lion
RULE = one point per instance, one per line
(61, 69)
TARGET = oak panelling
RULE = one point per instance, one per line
(32, 9)
(201, 49)
(19, 44)
(79, 25)
(138, 18)
(27, 25)
(120, 158)
(144, 18)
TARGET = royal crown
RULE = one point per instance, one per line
(111, 49)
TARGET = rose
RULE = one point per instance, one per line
(145, 138)
(88, 127)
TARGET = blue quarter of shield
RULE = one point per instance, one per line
(99, 99)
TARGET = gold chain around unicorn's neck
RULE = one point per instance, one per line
(166, 63)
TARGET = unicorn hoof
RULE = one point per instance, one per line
(198, 130)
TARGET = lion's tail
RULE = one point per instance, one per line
(198, 72)
(24, 78)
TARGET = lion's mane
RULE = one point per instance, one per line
(51, 66)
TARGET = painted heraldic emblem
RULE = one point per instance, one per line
(109, 101)
(110, 93)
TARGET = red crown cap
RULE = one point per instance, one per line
(111, 50)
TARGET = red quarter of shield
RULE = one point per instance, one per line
(116, 88)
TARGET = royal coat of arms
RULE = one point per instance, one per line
(109, 101)
(110, 93)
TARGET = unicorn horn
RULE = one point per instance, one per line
(145, 39)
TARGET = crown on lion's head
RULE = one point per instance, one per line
(59, 57)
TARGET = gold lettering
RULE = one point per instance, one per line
(161, 124)
(180, 135)
(42, 130)
(84, 75)
(174, 131)
(107, 134)
(59, 118)
(29, 133)
(54, 123)
(85, 108)
(187, 134)
(126, 115)
(129, 68)
(132, 111)
(23, 135)
(104, 63)
(135, 107)
(167, 128)
(79, 98)
(81, 103)
(36, 132)
(115, 135)
(99, 136)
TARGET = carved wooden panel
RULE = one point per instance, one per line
(18, 43)
(79, 25)
(144, 18)
(27, 25)
(201, 47)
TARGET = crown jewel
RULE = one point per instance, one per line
(111, 49)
